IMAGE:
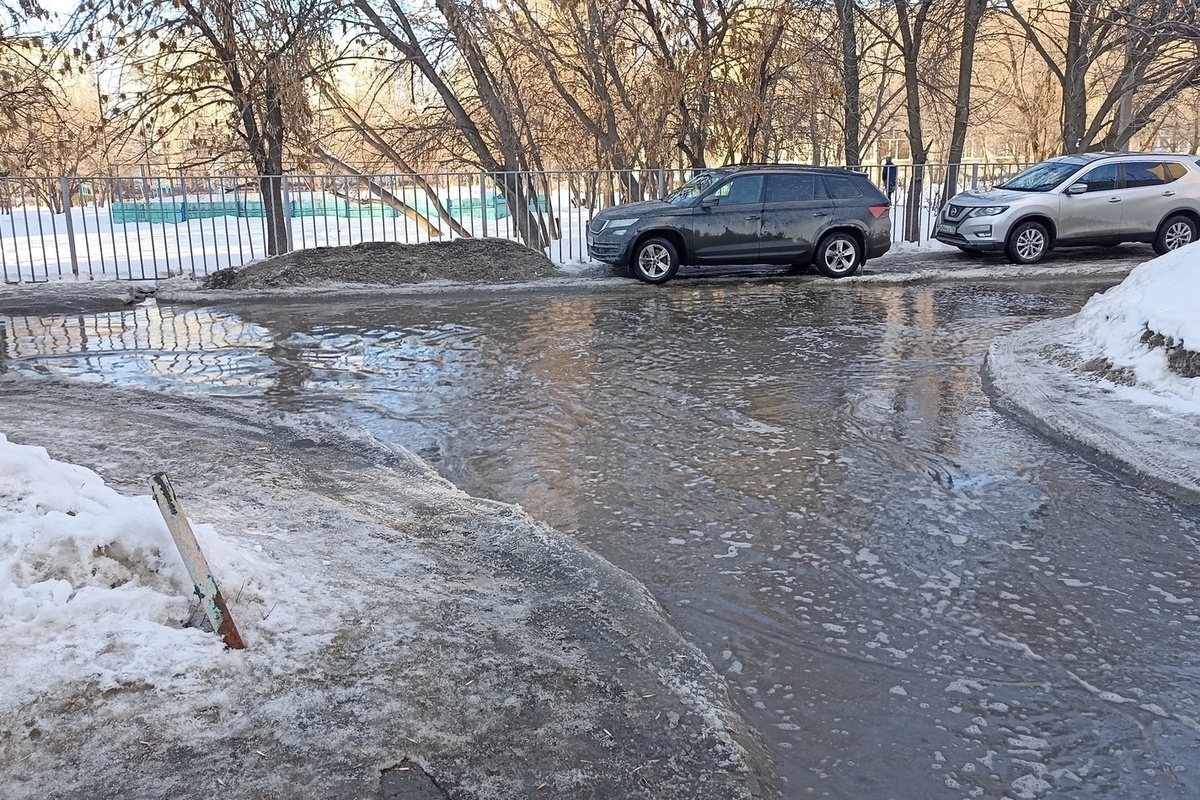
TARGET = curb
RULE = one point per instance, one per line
(1021, 381)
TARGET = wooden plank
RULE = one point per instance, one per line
(197, 566)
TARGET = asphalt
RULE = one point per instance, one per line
(1034, 374)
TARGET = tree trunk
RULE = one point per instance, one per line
(851, 101)
(389, 198)
(972, 17)
(910, 33)
(1075, 70)
(271, 171)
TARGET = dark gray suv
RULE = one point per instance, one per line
(753, 214)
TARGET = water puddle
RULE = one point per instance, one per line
(909, 594)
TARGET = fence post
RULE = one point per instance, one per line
(64, 186)
(483, 203)
(974, 176)
(662, 183)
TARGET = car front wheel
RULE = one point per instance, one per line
(1027, 243)
(839, 255)
(655, 261)
(1173, 234)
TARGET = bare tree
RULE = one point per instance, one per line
(973, 13)
(588, 62)
(248, 59)
(377, 141)
(688, 37)
(851, 81)
(912, 23)
(475, 96)
(26, 80)
(1118, 62)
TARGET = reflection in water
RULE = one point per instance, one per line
(146, 345)
(910, 595)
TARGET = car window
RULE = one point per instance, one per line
(1101, 179)
(1144, 173)
(692, 189)
(1174, 170)
(840, 188)
(1152, 173)
(1042, 177)
(741, 190)
(791, 188)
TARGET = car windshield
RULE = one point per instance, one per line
(1041, 177)
(692, 189)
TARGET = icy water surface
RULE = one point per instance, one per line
(911, 595)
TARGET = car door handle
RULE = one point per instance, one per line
(754, 216)
(821, 214)
(1114, 199)
(1168, 193)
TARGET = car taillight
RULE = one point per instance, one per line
(878, 211)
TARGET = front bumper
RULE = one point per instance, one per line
(973, 233)
(609, 249)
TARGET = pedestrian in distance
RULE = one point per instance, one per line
(889, 177)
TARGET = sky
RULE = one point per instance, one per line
(94, 596)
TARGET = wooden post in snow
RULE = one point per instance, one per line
(202, 577)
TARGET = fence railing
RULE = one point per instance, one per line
(150, 227)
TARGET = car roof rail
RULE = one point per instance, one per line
(767, 165)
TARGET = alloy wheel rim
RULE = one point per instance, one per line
(1030, 244)
(654, 261)
(840, 256)
(1178, 235)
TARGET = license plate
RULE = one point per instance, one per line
(945, 229)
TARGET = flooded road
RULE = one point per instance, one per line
(911, 595)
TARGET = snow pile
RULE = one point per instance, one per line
(92, 590)
(391, 264)
(1149, 324)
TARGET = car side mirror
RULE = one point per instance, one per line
(710, 201)
(1077, 188)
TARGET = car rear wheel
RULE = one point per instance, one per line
(839, 255)
(1027, 243)
(655, 261)
(1173, 234)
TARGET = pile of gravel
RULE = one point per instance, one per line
(391, 264)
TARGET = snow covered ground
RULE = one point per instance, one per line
(391, 617)
(1121, 377)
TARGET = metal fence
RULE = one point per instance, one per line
(149, 227)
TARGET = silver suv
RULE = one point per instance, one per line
(1089, 199)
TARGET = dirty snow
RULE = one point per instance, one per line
(1098, 378)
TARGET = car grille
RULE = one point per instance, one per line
(595, 226)
(955, 213)
(604, 251)
(951, 238)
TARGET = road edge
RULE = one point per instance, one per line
(1016, 387)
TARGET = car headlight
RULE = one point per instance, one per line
(988, 211)
(618, 226)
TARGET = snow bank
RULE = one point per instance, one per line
(1161, 296)
(92, 590)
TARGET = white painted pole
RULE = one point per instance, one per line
(197, 566)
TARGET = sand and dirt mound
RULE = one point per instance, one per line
(391, 264)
